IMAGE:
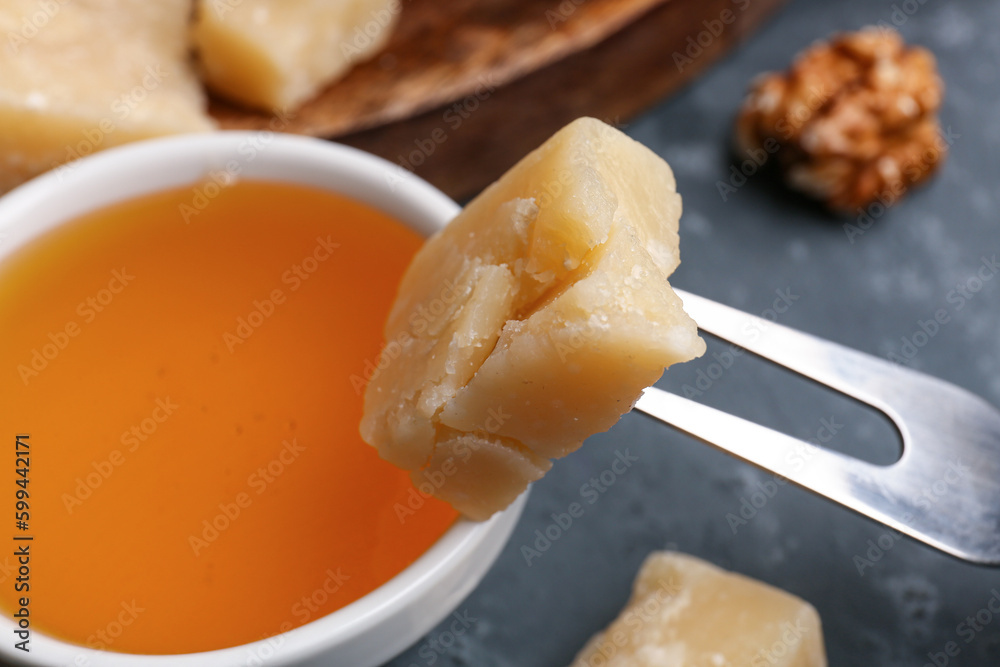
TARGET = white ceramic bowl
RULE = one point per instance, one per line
(377, 627)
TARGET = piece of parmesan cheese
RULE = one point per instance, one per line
(276, 54)
(685, 612)
(533, 320)
(80, 76)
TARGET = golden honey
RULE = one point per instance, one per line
(190, 385)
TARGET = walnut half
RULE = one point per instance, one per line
(853, 121)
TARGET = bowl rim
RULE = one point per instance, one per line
(382, 623)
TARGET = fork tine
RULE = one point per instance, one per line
(869, 379)
(944, 490)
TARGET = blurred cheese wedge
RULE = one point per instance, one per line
(685, 612)
(276, 54)
(77, 77)
(532, 321)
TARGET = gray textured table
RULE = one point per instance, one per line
(870, 294)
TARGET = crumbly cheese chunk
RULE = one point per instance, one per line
(685, 612)
(78, 76)
(276, 54)
(533, 320)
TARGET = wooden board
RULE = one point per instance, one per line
(466, 87)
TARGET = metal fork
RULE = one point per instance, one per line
(948, 434)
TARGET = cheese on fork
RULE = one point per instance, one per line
(532, 321)
(77, 77)
(276, 54)
(685, 612)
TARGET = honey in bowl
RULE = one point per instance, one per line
(190, 373)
